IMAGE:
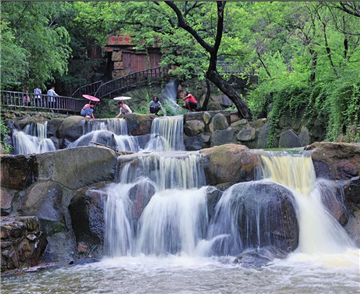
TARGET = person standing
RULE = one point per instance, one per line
(51, 97)
(124, 109)
(155, 106)
(88, 110)
(26, 98)
(190, 102)
(37, 97)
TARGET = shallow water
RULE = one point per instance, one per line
(183, 274)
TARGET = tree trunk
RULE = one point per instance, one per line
(228, 90)
(207, 97)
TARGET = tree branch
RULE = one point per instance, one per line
(183, 24)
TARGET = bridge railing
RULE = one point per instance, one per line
(18, 100)
(89, 89)
(130, 80)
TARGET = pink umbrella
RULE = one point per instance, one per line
(91, 98)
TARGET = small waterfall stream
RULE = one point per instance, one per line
(166, 194)
(32, 139)
(319, 230)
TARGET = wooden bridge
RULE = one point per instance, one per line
(12, 100)
(41, 102)
(123, 84)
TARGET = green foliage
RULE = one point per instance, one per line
(4, 133)
(35, 46)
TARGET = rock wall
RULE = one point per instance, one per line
(22, 242)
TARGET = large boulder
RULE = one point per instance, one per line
(331, 198)
(198, 142)
(353, 227)
(194, 127)
(258, 257)
(71, 128)
(87, 215)
(229, 163)
(18, 172)
(140, 196)
(352, 193)
(139, 124)
(335, 161)
(289, 139)
(255, 214)
(246, 135)
(220, 137)
(218, 122)
(83, 165)
(53, 126)
(263, 137)
(22, 242)
(7, 197)
(304, 137)
(45, 200)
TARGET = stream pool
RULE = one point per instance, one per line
(182, 274)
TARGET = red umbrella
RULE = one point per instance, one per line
(91, 98)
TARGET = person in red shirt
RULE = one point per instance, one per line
(190, 102)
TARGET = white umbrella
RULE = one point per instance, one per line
(120, 98)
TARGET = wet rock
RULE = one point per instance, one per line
(140, 196)
(139, 124)
(220, 137)
(6, 200)
(229, 163)
(304, 137)
(246, 135)
(212, 198)
(71, 128)
(263, 137)
(206, 117)
(103, 137)
(53, 126)
(87, 215)
(218, 122)
(194, 127)
(331, 198)
(20, 246)
(196, 143)
(257, 214)
(353, 227)
(289, 139)
(258, 257)
(84, 166)
(335, 161)
(352, 193)
(18, 172)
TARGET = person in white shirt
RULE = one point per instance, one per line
(37, 96)
(51, 96)
(124, 109)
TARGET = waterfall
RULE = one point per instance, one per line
(158, 206)
(33, 139)
(166, 134)
(111, 132)
(114, 125)
(319, 230)
(169, 95)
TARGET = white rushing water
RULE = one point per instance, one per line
(156, 237)
(168, 191)
(319, 230)
(32, 139)
(166, 134)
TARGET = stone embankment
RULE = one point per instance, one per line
(201, 130)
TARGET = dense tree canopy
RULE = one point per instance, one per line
(306, 54)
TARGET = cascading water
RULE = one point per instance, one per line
(175, 215)
(33, 139)
(319, 231)
(111, 132)
(169, 95)
(166, 134)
